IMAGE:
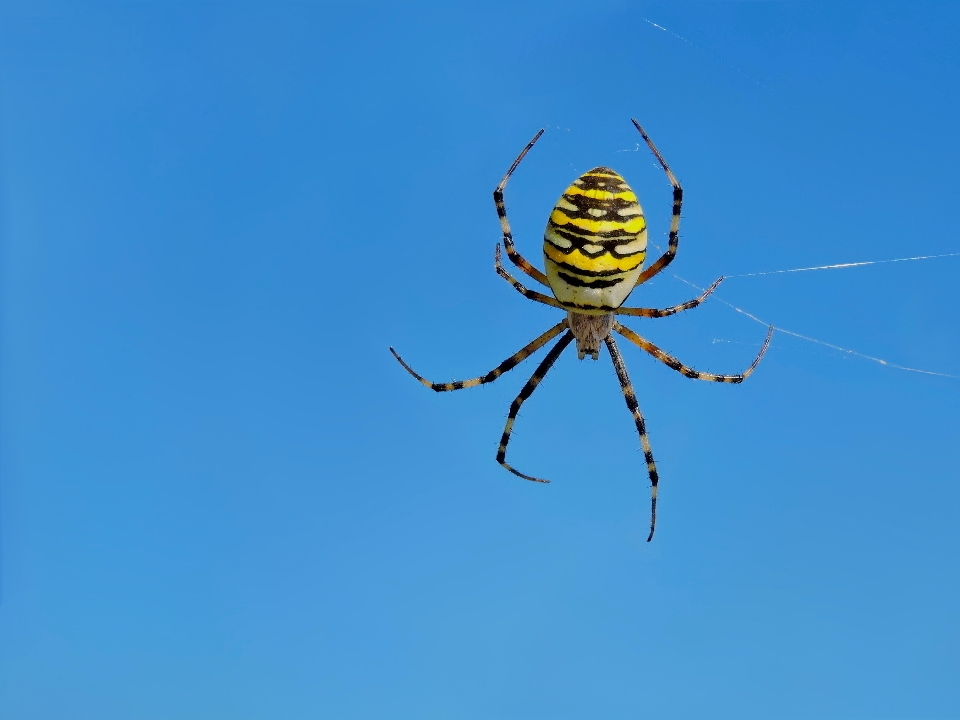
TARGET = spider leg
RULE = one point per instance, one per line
(674, 364)
(529, 294)
(515, 257)
(668, 256)
(507, 365)
(634, 408)
(526, 392)
(654, 313)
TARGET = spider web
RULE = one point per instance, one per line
(838, 266)
(710, 54)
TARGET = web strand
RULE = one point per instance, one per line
(711, 54)
(881, 361)
(840, 266)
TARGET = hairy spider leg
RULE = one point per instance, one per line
(515, 257)
(527, 293)
(630, 396)
(507, 365)
(674, 364)
(671, 252)
(526, 392)
(654, 313)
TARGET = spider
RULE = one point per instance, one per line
(594, 246)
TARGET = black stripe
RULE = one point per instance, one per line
(609, 180)
(579, 282)
(584, 202)
(610, 213)
(607, 239)
(581, 306)
(578, 242)
(590, 273)
(498, 201)
(509, 364)
(621, 256)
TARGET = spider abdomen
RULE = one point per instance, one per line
(595, 243)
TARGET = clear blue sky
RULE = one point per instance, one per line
(220, 495)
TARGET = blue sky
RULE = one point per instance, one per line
(220, 496)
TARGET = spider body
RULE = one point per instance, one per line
(589, 331)
(594, 243)
(594, 246)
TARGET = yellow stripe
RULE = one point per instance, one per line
(627, 195)
(633, 226)
(605, 262)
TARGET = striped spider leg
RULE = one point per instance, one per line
(671, 252)
(515, 257)
(655, 313)
(674, 364)
(507, 365)
(526, 392)
(594, 247)
(634, 407)
(529, 294)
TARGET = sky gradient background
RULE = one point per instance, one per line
(220, 496)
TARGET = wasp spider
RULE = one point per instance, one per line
(593, 247)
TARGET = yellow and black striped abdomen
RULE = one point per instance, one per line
(595, 243)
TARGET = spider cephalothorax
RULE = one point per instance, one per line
(594, 246)
(589, 331)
